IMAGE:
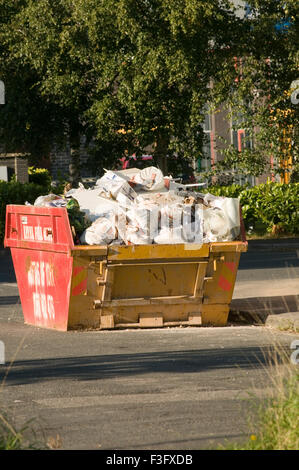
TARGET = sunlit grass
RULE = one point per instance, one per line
(275, 425)
(12, 438)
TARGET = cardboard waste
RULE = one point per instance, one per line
(144, 207)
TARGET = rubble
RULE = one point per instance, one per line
(144, 207)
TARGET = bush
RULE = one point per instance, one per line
(295, 174)
(233, 190)
(17, 193)
(269, 207)
(40, 176)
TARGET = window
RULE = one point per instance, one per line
(241, 138)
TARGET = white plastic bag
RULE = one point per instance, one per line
(216, 227)
(93, 205)
(222, 218)
(150, 178)
(145, 216)
(171, 230)
(101, 232)
(170, 235)
(50, 200)
(111, 184)
(137, 236)
(192, 222)
(231, 208)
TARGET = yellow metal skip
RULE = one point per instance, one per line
(149, 286)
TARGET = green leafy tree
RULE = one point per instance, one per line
(28, 121)
(156, 72)
(126, 73)
(47, 85)
(258, 88)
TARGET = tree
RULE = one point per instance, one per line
(48, 86)
(28, 120)
(156, 72)
(259, 89)
(130, 73)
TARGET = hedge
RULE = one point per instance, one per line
(40, 176)
(17, 193)
(269, 207)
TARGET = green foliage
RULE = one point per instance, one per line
(40, 176)
(78, 220)
(276, 420)
(30, 122)
(99, 67)
(17, 193)
(144, 68)
(279, 421)
(249, 162)
(13, 438)
(154, 79)
(269, 207)
(233, 190)
(258, 87)
(295, 174)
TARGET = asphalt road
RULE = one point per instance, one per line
(174, 388)
(271, 265)
(179, 388)
(267, 283)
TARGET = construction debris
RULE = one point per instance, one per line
(144, 207)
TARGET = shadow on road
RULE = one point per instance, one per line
(119, 365)
(255, 310)
(7, 272)
(9, 300)
(248, 311)
(269, 260)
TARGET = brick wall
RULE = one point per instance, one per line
(60, 160)
(19, 164)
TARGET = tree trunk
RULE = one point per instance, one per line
(161, 153)
(74, 166)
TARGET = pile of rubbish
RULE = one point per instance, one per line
(144, 207)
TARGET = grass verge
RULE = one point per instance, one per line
(14, 439)
(276, 426)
